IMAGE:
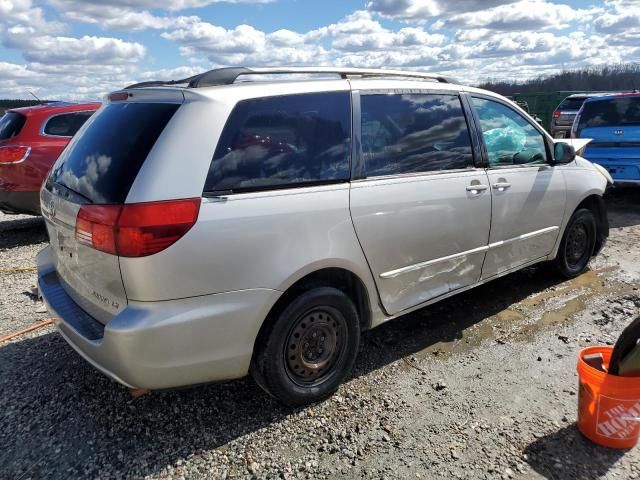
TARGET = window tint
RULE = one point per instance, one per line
(102, 163)
(413, 133)
(571, 103)
(66, 124)
(611, 112)
(10, 125)
(283, 141)
(510, 139)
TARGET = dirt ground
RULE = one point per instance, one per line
(482, 385)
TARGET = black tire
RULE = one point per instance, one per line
(578, 244)
(309, 348)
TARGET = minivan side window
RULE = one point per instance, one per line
(413, 133)
(510, 139)
(66, 124)
(282, 142)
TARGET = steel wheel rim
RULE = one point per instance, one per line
(314, 346)
(577, 244)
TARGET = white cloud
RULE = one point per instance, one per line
(89, 50)
(116, 18)
(476, 40)
(421, 10)
(524, 15)
(23, 12)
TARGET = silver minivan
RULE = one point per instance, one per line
(258, 220)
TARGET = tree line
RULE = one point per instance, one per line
(623, 77)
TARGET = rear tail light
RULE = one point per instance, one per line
(14, 153)
(556, 114)
(138, 229)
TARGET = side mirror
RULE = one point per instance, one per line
(563, 153)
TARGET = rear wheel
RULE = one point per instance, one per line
(310, 348)
(577, 244)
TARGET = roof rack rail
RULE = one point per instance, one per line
(229, 75)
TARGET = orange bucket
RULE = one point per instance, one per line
(608, 405)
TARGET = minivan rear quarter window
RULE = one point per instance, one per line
(283, 142)
(413, 133)
(10, 125)
(102, 163)
(610, 112)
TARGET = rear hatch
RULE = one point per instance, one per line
(566, 112)
(614, 125)
(95, 173)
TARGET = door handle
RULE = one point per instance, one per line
(476, 189)
(501, 186)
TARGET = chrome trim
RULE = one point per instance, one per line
(626, 182)
(421, 265)
(418, 266)
(46, 121)
(451, 293)
(419, 175)
(26, 155)
(526, 236)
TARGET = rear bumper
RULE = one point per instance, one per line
(20, 202)
(155, 345)
(560, 131)
(622, 170)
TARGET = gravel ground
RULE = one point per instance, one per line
(482, 385)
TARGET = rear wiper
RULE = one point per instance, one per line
(66, 192)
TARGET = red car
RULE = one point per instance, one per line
(31, 139)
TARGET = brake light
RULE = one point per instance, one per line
(14, 153)
(556, 114)
(119, 96)
(136, 230)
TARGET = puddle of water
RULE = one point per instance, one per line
(511, 320)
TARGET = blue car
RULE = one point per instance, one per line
(613, 124)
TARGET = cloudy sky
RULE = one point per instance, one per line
(81, 49)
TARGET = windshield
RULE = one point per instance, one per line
(611, 112)
(104, 160)
(10, 125)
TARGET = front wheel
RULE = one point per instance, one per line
(578, 243)
(310, 347)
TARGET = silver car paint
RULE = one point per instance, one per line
(193, 311)
(157, 345)
(421, 233)
(92, 278)
(528, 208)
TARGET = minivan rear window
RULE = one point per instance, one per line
(103, 161)
(283, 142)
(10, 125)
(610, 112)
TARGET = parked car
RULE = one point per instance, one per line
(613, 124)
(564, 114)
(31, 139)
(207, 228)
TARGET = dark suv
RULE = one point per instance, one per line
(31, 139)
(564, 114)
